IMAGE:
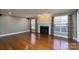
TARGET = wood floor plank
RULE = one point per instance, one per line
(32, 41)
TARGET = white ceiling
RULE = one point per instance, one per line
(33, 12)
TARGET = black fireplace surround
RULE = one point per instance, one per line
(44, 30)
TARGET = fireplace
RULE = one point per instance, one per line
(44, 30)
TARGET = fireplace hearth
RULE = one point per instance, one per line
(44, 30)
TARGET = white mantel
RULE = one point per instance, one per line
(44, 24)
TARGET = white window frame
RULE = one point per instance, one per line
(61, 26)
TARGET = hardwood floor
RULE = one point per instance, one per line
(32, 41)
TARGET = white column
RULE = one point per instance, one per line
(78, 26)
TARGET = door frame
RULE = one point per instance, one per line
(36, 25)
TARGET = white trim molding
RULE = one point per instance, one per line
(3, 35)
(78, 26)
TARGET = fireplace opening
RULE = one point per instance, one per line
(44, 30)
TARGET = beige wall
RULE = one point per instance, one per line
(9, 24)
(44, 18)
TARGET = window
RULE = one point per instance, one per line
(61, 24)
(33, 24)
(64, 29)
(57, 28)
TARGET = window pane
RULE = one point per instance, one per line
(33, 23)
(57, 17)
(57, 23)
(57, 28)
(63, 28)
(33, 26)
(64, 17)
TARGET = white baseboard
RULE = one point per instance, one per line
(66, 37)
(3, 35)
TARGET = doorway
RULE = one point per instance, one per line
(32, 25)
